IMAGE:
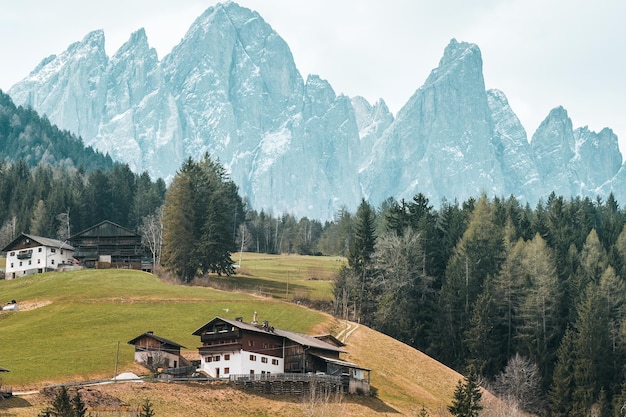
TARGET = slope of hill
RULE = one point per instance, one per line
(26, 135)
(71, 324)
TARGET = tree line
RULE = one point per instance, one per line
(58, 202)
(495, 286)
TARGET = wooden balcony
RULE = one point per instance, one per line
(226, 335)
(25, 254)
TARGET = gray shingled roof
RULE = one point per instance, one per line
(155, 337)
(302, 339)
(52, 243)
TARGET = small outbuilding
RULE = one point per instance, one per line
(155, 352)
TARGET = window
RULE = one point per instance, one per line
(274, 361)
(216, 358)
(264, 359)
(227, 356)
(208, 359)
(53, 250)
(61, 251)
(251, 371)
(250, 343)
(20, 263)
(226, 370)
(253, 357)
(11, 264)
(12, 254)
(39, 249)
(30, 262)
(52, 261)
(38, 261)
(264, 345)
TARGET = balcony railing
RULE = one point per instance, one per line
(219, 335)
(25, 254)
(292, 377)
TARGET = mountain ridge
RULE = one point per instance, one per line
(231, 88)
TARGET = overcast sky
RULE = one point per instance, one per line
(540, 53)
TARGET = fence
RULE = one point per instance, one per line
(291, 383)
(293, 377)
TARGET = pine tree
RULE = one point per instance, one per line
(592, 366)
(538, 329)
(360, 259)
(62, 405)
(78, 406)
(200, 217)
(146, 409)
(466, 401)
(562, 388)
(478, 255)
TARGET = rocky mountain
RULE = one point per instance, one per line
(232, 88)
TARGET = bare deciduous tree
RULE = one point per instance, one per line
(322, 401)
(8, 231)
(151, 231)
(154, 360)
(520, 383)
(63, 230)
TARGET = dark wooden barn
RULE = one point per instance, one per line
(109, 245)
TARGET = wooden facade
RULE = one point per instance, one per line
(154, 351)
(234, 348)
(109, 245)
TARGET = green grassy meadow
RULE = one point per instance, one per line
(82, 315)
(287, 277)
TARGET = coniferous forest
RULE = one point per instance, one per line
(488, 285)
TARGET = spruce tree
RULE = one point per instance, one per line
(62, 404)
(466, 401)
(200, 217)
(78, 406)
(562, 388)
(360, 259)
(146, 409)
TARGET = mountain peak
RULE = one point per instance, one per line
(231, 88)
(93, 40)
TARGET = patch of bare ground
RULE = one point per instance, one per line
(32, 304)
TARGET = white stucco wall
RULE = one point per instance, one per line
(170, 360)
(240, 363)
(42, 258)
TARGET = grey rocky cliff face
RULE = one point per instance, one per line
(231, 88)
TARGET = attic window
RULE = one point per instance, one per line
(53, 250)
(12, 254)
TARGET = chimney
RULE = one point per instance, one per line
(254, 320)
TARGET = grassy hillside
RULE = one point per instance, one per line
(81, 316)
(283, 276)
(70, 325)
